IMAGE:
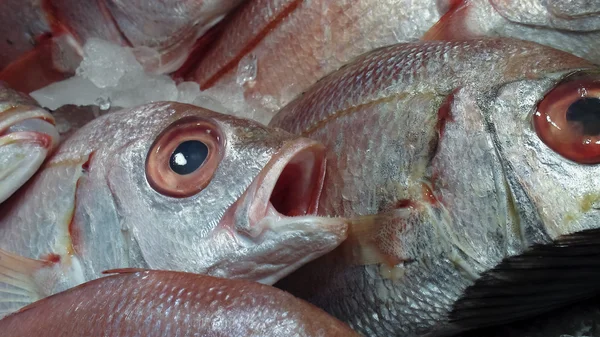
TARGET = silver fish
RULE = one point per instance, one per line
(572, 26)
(483, 154)
(165, 186)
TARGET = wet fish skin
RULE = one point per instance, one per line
(272, 50)
(440, 133)
(162, 303)
(27, 137)
(572, 26)
(105, 201)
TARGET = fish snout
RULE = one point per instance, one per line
(275, 220)
(290, 185)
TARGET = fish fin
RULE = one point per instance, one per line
(452, 25)
(543, 278)
(18, 281)
(124, 271)
(371, 238)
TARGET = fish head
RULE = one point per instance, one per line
(547, 134)
(211, 193)
(27, 137)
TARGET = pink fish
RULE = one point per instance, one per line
(161, 303)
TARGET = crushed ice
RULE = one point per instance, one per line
(110, 75)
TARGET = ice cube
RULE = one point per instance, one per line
(75, 90)
(188, 91)
(104, 63)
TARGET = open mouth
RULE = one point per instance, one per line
(290, 185)
(298, 187)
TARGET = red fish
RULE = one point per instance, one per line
(161, 303)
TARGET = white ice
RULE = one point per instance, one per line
(111, 75)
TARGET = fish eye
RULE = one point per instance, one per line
(567, 119)
(184, 157)
(188, 157)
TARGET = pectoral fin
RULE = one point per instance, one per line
(386, 239)
(543, 278)
(19, 284)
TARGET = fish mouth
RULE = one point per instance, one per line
(289, 186)
(297, 188)
(28, 124)
(27, 136)
(274, 223)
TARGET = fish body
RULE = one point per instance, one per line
(269, 51)
(473, 150)
(162, 303)
(165, 186)
(572, 26)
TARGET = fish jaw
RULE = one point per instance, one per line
(275, 220)
(27, 136)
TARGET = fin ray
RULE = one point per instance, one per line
(18, 279)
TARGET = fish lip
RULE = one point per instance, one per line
(303, 156)
(45, 135)
(43, 140)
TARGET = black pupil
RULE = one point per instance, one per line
(188, 157)
(586, 111)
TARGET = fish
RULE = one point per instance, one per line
(571, 26)
(269, 51)
(43, 40)
(479, 158)
(28, 135)
(167, 186)
(165, 303)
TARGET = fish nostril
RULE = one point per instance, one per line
(299, 184)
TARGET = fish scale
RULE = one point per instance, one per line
(108, 198)
(468, 230)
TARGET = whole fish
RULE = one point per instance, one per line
(572, 26)
(42, 40)
(161, 303)
(165, 186)
(27, 137)
(484, 155)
